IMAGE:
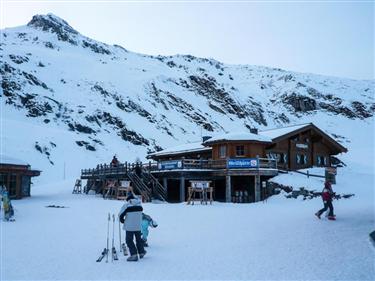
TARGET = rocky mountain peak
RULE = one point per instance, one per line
(54, 24)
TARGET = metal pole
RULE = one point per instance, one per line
(113, 235)
(119, 233)
(109, 218)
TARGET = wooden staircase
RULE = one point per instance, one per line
(158, 190)
(139, 186)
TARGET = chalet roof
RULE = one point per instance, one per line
(268, 136)
(5, 159)
(242, 136)
(280, 133)
(184, 148)
(276, 133)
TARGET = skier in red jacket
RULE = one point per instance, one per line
(327, 195)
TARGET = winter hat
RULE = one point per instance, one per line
(130, 196)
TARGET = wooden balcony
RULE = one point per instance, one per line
(263, 165)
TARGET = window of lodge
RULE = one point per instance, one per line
(240, 150)
(301, 159)
(321, 160)
(281, 158)
(3, 180)
(12, 185)
(223, 151)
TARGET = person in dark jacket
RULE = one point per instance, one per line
(327, 196)
(115, 162)
(131, 216)
(138, 169)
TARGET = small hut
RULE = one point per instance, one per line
(15, 176)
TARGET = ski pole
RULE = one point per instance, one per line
(119, 233)
(109, 218)
(113, 235)
(125, 249)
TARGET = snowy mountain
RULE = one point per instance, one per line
(69, 102)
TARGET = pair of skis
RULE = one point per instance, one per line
(105, 252)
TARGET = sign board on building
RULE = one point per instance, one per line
(170, 165)
(200, 184)
(302, 145)
(125, 183)
(242, 163)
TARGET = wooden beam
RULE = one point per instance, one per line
(228, 189)
(257, 188)
(182, 189)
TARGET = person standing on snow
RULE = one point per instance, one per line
(327, 195)
(131, 216)
(146, 222)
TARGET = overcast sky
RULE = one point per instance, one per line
(331, 38)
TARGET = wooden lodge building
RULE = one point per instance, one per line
(240, 162)
(15, 176)
(237, 165)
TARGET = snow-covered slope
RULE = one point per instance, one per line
(70, 101)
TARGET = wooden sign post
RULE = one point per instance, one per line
(203, 189)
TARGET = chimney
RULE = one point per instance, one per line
(254, 131)
(205, 138)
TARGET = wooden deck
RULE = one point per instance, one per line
(193, 167)
(181, 170)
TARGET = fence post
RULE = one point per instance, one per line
(307, 173)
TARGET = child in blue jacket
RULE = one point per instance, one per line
(147, 221)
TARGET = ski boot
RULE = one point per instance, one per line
(145, 244)
(332, 218)
(317, 215)
(141, 255)
(132, 258)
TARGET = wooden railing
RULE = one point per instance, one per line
(263, 163)
(200, 164)
(105, 169)
(308, 174)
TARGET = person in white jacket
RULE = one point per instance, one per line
(131, 216)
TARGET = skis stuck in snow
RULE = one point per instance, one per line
(114, 253)
(102, 255)
(106, 249)
(123, 248)
(105, 252)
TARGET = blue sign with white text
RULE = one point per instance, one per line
(242, 163)
(170, 165)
